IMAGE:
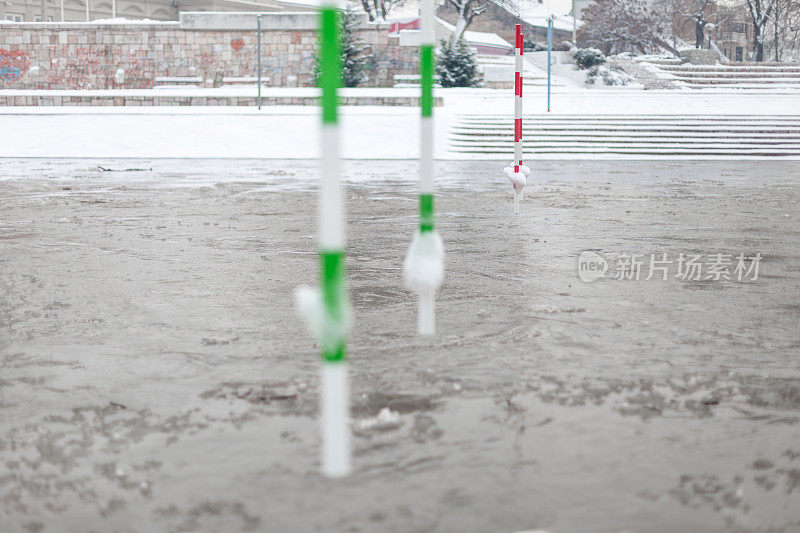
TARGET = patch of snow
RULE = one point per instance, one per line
(386, 420)
(424, 264)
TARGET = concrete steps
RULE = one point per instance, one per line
(733, 76)
(656, 135)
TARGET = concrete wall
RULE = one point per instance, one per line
(132, 56)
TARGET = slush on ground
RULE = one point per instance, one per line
(155, 376)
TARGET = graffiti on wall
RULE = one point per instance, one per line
(123, 59)
(95, 67)
(13, 64)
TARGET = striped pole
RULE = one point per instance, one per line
(549, 63)
(519, 172)
(427, 42)
(336, 460)
(518, 99)
(424, 265)
(518, 112)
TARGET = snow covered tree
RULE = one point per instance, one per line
(760, 11)
(784, 43)
(456, 65)
(616, 26)
(788, 28)
(695, 11)
(380, 8)
(469, 9)
(355, 52)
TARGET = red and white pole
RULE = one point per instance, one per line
(518, 100)
(518, 172)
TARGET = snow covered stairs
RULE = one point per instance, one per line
(500, 69)
(491, 137)
(735, 76)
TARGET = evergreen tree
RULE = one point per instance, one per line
(456, 65)
(355, 52)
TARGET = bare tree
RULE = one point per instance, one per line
(695, 11)
(790, 30)
(785, 42)
(380, 8)
(760, 11)
(468, 10)
(617, 26)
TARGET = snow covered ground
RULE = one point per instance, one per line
(291, 132)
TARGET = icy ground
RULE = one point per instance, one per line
(154, 377)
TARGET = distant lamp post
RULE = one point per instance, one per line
(258, 60)
(549, 61)
(574, 15)
(710, 27)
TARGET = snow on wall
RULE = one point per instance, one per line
(91, 55)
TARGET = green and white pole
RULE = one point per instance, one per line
(327, 309)
(424, 264)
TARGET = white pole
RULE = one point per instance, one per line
(335, 409)
(87, 10)
(62, 10)
(424, 264)
(426, 318)
(574, 25)
(113, 9)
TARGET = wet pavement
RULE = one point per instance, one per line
(155, 377)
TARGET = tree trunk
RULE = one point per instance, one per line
(777, 36)
(366, 4)
(758, 44)
(461, 25)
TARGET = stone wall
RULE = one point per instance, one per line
(132, 56)
(153, 98)
(699, 56)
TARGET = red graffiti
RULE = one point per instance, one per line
(237, 44)
(94, 67)
(13, 64)
(408, 23)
